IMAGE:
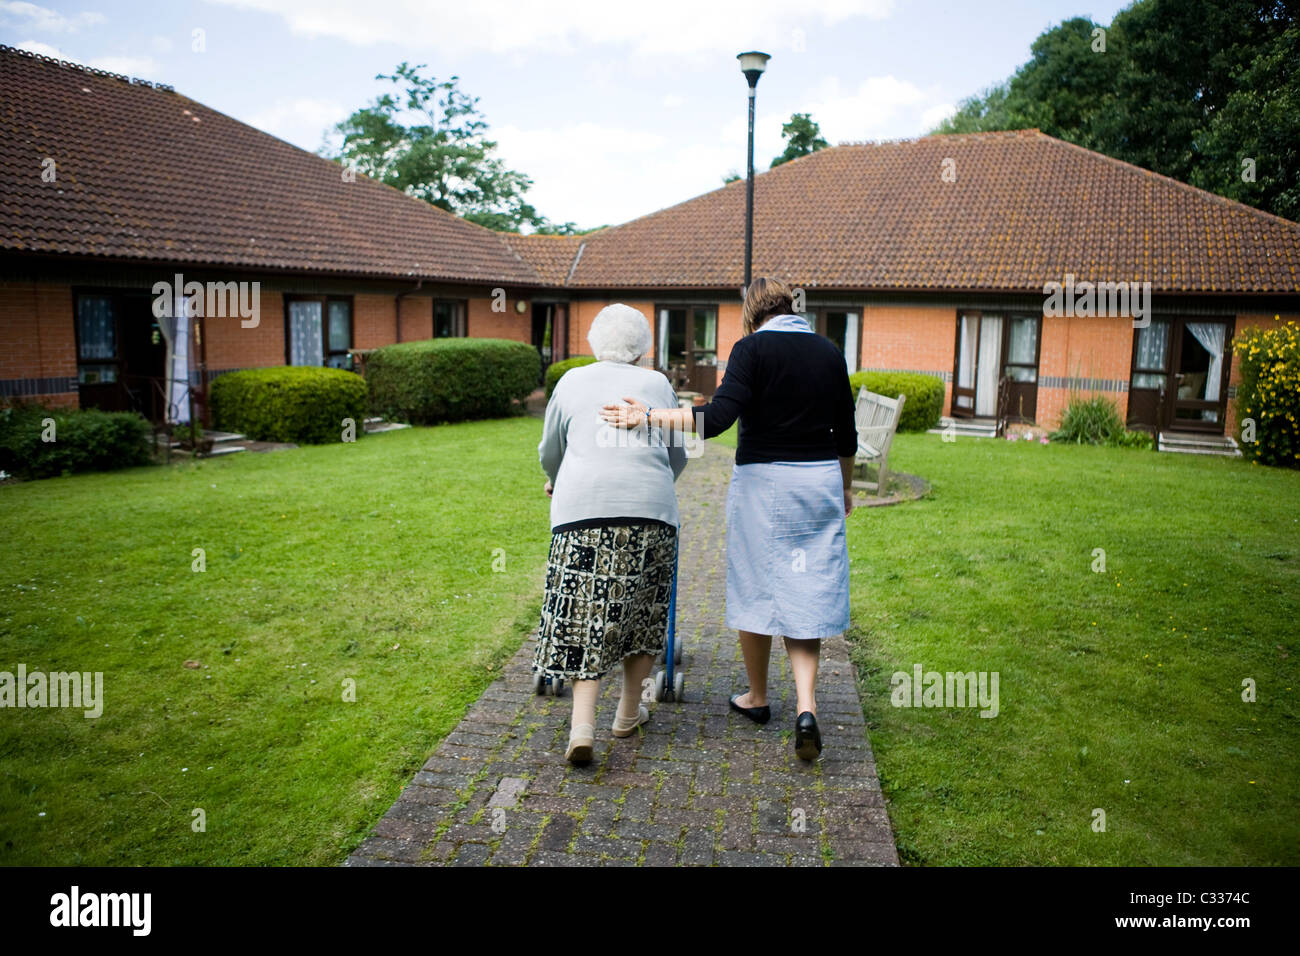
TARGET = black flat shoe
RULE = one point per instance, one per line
(807, 737)
(759, 715)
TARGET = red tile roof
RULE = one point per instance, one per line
(551, 257)
(145, 173)
(1024, 208)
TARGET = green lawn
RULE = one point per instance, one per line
(373, 563)
(369, 562)
(1119, 690)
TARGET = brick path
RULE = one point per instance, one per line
(702, 786)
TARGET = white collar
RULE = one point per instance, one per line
(785, 323)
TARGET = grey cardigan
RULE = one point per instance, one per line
(604, 472)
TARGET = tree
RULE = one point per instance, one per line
(1187, 88)
(1259, 123)
(446, 160)
(802, 136)
(979, 113)
(563, 229)
(731, 177)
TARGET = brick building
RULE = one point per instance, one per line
(932, 255)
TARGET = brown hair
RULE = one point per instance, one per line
(767, 296)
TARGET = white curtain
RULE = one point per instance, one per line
(663, 339)
(1153, 340)
(989, 366)
(178, 372)
(306, 338)
(966, 365)
(1210, 335)
(851, 341)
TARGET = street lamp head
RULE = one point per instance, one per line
(752, 64)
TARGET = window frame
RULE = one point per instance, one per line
(818, 323)
(460, 321)
(326, 352)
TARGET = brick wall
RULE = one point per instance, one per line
(915, 338)
(483, 323)
(730, 331)
(230, 345)
(1084, 356)
(374, 321)
(417, 317)
(38, 341)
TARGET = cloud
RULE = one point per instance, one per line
(936, 115)
(875, 109)
(138, 66)
(673, 28)
(595, 174)
(300, 120)
(31, 17)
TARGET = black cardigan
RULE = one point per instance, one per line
(791, 392)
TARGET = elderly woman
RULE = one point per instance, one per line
(613, 529)
(791, 489)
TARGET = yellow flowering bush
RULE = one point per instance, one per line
(1268, 398)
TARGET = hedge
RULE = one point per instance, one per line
(299, 403)
(924, 404)
(451, 380)
(558, 369)
(1268, 397)
(83, 440)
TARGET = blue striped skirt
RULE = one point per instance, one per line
(787, 555)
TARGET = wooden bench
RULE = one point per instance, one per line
(877, 419)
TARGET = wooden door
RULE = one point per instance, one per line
(1021, 346)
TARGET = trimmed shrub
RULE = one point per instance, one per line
(1097, 421)
(1269, 394)
(291, 403)
(84, 440)
(451, 380)
(924, 404)
(557, 370)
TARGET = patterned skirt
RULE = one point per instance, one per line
(607, 592)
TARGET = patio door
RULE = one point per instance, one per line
(1020, 369)
(121, 353)
(979, 363)
(687, 347)
(1179, 378)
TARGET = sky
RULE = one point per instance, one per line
(614, 109)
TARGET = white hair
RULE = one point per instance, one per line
(619, 333)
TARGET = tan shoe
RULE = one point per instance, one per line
(623, 728)
(582, 740)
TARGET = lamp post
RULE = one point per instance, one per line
(752, 64)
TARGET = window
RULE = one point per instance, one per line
(686, 346)
(97, 359)
(318, 331)
(448, 319)
(841, 328)
(1151, 355)
(1022, 349)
